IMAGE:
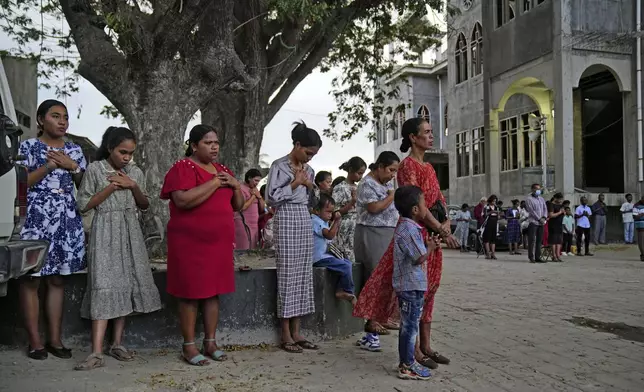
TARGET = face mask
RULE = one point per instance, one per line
(537, 192)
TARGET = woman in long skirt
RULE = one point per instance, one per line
(289, 187)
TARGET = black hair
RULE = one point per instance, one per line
(557, 196)
(514, 201)
(386, 158)
(112, 137)
(321, 176)
(491, 198)
(566, 202)
(42, 110)
(305, 136)
(262, 190)
(628, 194)
(410, 127)
(536, 184)
(567, 208)
(406, 198)
(337, 181)
(353, 165)
(252, 173)
(196, 134)
(499, 203)
(464, 206)
(323, 201)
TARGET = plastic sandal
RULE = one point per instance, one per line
(121, 353)
(218, 355)
(93, 361)
(197, 360)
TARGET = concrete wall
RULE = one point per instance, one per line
(247, 316)
(426, 92)
(22, 76)
(527, 37)
(465, 106)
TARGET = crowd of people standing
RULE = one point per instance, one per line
(312, 220)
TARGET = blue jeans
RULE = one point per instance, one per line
(628, 232)
(343, 267)
(411, 306)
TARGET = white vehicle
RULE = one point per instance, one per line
(17, 257)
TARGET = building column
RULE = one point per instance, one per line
(564, 124)
(629, 137)
(493, 154)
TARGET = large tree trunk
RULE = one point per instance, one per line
(240, 119)
(160, 143)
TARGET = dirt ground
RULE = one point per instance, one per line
(507, 325)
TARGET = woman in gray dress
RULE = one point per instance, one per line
(345, 196)
(289, 187)
(119, 278)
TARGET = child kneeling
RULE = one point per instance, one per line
(323, 254)
(412, 246)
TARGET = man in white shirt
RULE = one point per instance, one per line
(627, 218)
(582, 214)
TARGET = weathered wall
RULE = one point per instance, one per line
(527, 37)
(247, 316)
(465, 106)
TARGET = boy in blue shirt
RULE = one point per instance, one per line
(411, 249)
(322, 236)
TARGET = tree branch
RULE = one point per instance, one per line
(326, 38)
(101, 63)
(176, 21)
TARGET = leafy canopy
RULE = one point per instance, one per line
(299, 35)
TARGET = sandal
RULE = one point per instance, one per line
(197, 360)
(291, 348)
(380, 330)
(39, 354)
(440, 359)
(305, 344)
(93, 361)
(218, 355)
(59, 352)
(121, 353)
(428, 362)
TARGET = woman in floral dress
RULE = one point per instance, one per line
(345, 198)
(55, 166)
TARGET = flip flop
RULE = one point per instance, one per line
(369, 328)
(292, 348)
(305, 344)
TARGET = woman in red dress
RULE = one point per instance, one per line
(377, 299)
(203, 197)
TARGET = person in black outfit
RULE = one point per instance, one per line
(491, 213)
(555, 225)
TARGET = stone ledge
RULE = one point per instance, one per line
(247, 316)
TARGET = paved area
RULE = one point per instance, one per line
(503, 323)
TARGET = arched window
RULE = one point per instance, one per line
(477, 50)
(446, 118)
(423, 112)
(401, 120)
(461, 59)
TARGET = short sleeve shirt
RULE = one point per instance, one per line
(320, 244)
(583, 222)
(408, 248)
(372, 191)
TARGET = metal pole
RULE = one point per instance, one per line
(544, 155)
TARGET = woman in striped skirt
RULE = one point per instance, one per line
(290, 182)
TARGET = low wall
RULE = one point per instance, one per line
(247, 316)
